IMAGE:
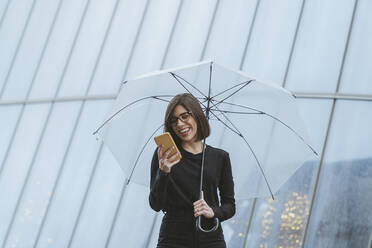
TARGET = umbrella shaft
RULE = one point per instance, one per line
(202, 170)
(203, 157)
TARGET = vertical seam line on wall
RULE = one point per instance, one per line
(82, 205)
(29, 90)
(113, 222)
(134, 45)
(44, 127)
(170, 39)
(15, 55)
(321, 162)
(249, 222)
(249, 35)
(210, 29)
(62, 166)
(4, 14)
(293, 44)
(171, 35)
(240, 68)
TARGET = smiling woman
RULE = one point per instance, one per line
(182, 107)
(175, 185)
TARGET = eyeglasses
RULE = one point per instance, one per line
(182, 117)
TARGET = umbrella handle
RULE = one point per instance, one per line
(199, 227)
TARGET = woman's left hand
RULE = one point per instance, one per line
(202, 208)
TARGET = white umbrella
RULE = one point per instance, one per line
(257, 123)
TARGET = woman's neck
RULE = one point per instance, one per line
(193, 147)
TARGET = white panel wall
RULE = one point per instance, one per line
(59, 187)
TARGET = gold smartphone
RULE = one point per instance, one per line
(167, 140)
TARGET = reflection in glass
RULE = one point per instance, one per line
(342, 212)
(235, 229)
(281, 222)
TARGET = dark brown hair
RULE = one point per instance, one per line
(190, 103)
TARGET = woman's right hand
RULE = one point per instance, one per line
(166, 161)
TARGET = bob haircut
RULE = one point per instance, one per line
(190, 103)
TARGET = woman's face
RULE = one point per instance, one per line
(185, 126)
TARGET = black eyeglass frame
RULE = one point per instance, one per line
(174, 120)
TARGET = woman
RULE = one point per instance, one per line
(174, 187)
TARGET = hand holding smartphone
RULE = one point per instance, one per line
(168, 152)
(167, 141)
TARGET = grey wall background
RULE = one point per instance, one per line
(61, 65)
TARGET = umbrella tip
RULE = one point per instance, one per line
(96, 135)
(127, 180)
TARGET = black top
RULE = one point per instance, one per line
(180, 188)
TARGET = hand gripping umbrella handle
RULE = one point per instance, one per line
(199, 227)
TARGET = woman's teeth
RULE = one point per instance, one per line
(184, 131)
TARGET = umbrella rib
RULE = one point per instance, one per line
(157, 97)
(211, 118)
(186, 88)
(160, 99)
(249, 81)
(259, 165)
(242, 87)
(178, 76)
(128, 105)
(273, 117)
(235, 131)
(198, 98)
(236, 112)
(251, 149)
(143, 148)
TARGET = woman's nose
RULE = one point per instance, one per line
(179, 122)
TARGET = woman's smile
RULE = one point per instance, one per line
(185, 131)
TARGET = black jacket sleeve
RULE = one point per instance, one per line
(226, 187)
(158, 185)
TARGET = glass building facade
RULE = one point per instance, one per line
(61, 66)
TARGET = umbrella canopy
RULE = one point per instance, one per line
(257, 123)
